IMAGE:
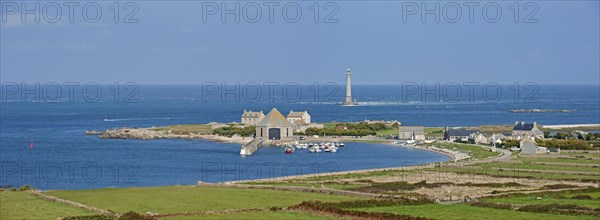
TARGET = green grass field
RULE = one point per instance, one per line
(386, 132)
(466, 212)
(22, 205)
(306, 184)
(560, 160)
(536, 167)
(565, 197)
(177, 199)
(521, 174)
(186, 129)
(476, 152)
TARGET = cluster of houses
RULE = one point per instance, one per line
(275, 126)
(526, 133)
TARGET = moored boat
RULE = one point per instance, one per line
(289, 150)
(314, 150)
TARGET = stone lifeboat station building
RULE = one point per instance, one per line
(274, 126)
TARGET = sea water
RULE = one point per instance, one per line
(42, 143)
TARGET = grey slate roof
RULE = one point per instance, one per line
(251, 114)
(274, 119)
(417, 130)
(297, 114)
(459, 132)
(523, 127)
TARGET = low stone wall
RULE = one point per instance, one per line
(301, 189)
(406, 168)
(38, 194)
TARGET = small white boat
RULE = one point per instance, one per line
(342, 145)
(314, 150)
(410, 141)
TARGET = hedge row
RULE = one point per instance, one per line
(126, 216)
(328, 208)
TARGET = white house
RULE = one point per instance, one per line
(252, 118)
(411, 133)
(295, 117)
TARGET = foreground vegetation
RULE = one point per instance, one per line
(22, 205)
(474, 151)
(187, 198)
(549, 186)
(353, 129)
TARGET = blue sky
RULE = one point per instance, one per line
(172, 45)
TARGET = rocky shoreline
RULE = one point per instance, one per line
(152, 133)
(535, 110)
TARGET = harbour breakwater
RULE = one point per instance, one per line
(251, 147)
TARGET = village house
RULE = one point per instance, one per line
(497, 139)
(302, 116)
(300, 120)
(528, 146)
(480, 138)
(252, 118)
(521, 130)
(451, 134)
(411, 133)
(274, 126)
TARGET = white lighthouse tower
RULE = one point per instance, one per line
(348, 99)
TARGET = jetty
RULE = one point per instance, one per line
(251, 147)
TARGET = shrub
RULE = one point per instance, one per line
(374, 203)
(559, 186)
(25, 187)
(581, 197)
(90, 217)
(13, 189)
(560, 209)
(493, 185)
(233, 130)
(131, 215)
(491, 205)
(331, 208)
(565, 144)
(393, 186)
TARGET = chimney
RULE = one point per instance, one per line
(522, 123)
(516, 122)
(534, 124)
